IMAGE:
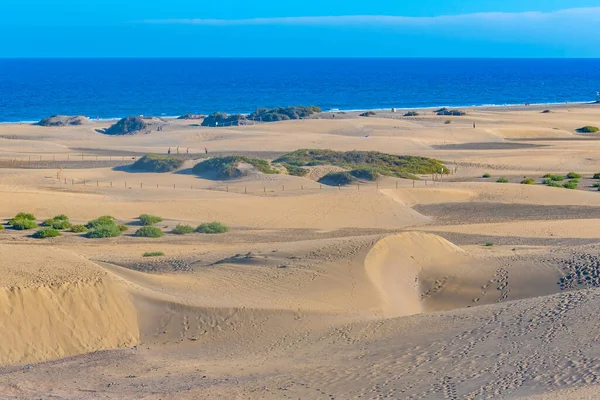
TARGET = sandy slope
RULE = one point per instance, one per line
(316, 292)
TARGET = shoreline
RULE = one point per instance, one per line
(482, 107)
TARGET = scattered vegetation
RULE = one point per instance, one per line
(58, 222)
(338, 179)
(546, 112)
(154, 254)
(489, 244)
(62, 120)
(155, 163)
(366, 174)
(191, 116)
(147, 219)
(46, 233)
(381, 163)
(182, 229)
(596, 184)
(588, 129)
(212, 228)
(528, 181)
(104, 220)
(447, 111)
(573, 175)
(597, 175)
(368, 114)
(22, 215)
(149, 232)
(1, 227)
(411, 114)
(217, 119)
(228, 167)
(553, 184)
(79, 229)
(283, 113)
(502, 180)
(486, 175)
(104, 231)
(293, 170)
(127, 125)
(447, 122)
(22, 222)
(555, 178)
(572, 184)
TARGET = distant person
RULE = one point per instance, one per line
(187, 151)
(205, 151)
(177, 149)
(169, 151)
(473, 125)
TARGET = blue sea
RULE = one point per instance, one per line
(31, 89)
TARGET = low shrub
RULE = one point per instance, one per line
(572, 184)
(182, 229)
(573, 175)
(149, 232)
(597, 175)
(555, 178)
(295, 171)
(212, 227)
(447, 122)
(23, 215)
(486, 175)
(104, 220)
(154, 254)
(157, 163)
(527, 181)
(337, 179)
(446, 111)
(546, 112)
(123, 228)
(147, 219)
(1, 227)
(588, 129)
(367, 174)
(597, 185)
(61, 217)
(79, 229)
(502, 180)
(411, 114)
(368, 114)
(58, 223)
(23, 224)
(489, 244)
(104, 231)
(553, 183)
(46, 233)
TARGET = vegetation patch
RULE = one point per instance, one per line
(149, 231)
(228, 167)
(573, 175)
(546, 112)
(79, 229)
(502, 180)
(381, 163)
(192, 116)
(411, 114)
(22, 224)
(104, 231)
(597, 175)
(486, 175)
(338, 179)
(22, 215)
(527, 181)
(123, 228)
(489, 244)
(552, 183)
(368, 114)
(588, 129)
(104, 220)
(212, 228)
(154, 254)
(126, 126)
(46, 233)
(62, 120)
(447, 111)
(572, 184)
(555, 178)
(155, 163)
(295, 171)
(147, 219)
(1, 227)
(283, 113)
(365, 174)
(182, 229)
(58, 222)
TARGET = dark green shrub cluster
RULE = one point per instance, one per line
(182, 229)
(383, 164)
(1, 227)
(552, 183)
(104, 220)
(573, 175)
(338, 179)
(527, 181)
(295, 171)
(366, 174)
(555, 178)
(58, 222)
(411, 114)
(79, 229)
(597, 175)
(212, 228)
(223, 119)
(572, 184)
(154, 254)
(546, 112)
(486, 175)
(596, 185)
(147, 219)
(502, 180)
(227, 167)
(368, 114)
(283, 113)
(447, 122)
(46, 233)
(103, 227)
(23, 221)
(126, 126)
(149, 231)
(155, 163)
(588, 129)
(447, 111)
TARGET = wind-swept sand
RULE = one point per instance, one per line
(462, 288)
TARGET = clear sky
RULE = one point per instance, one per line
(299, 28)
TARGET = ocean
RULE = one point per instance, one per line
(31, 89)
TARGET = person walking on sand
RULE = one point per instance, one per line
(177, 149)
(169, 151)
(205, 151)
(473, 125)
(187, 151)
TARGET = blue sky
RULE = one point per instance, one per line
(295, 28)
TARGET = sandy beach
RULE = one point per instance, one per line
(451, 286)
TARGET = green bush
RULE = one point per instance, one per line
(502, 180)
(79, 229)
(552, 183)
(489, 244)
(527, 181)
(446, 111)
(338, 179)
(61, 217)
(572, 184)
(147, 219)
(149, 231)
(597, 175)
(182, 229)
(555, 178)
(154, 254)
(212, 227)
(156, 163)
(411, 114)
(23, 224)
(104, 231)
(368, 114)
(123, 228)
(573, 175)
(283, 113)
(597, 184)
(295, 171)
(104, 220)
(447, 122)
(23, 215)
(1, 227)
(588, 129)
(58, 223)
(486, 175)
(367, 174)
(46, 233)
(126, 126)
(227, 167)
